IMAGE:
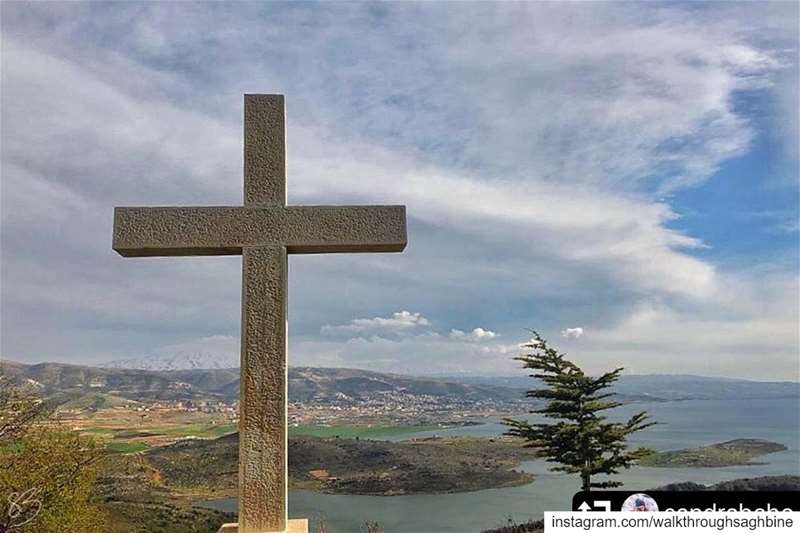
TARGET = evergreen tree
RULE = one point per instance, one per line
(582, 441)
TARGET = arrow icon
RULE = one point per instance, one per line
(584, 507)
(603, 504)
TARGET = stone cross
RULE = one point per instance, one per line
(263, 231)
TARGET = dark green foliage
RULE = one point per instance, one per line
(582, 441)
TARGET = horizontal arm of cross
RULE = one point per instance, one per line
(180, 231)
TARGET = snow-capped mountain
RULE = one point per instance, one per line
(181, 361)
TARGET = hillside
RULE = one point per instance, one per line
(667, 387)
(59, 378)
(305, 384)
(351, 466)
(327, 385)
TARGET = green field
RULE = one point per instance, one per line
(126, 447)
(96, 400)
(362, 432)
(200, 430)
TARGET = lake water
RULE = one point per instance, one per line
(682, 424)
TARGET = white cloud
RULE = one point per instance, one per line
(399, 322)
(477, 334)
(533, 153)
(572, 333)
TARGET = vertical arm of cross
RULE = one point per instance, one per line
(264, 150)
(263, 466)
(263, 463)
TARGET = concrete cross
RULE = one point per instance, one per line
(263, 231)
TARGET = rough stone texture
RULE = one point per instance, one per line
(170, 231)
(264, 230)
(295, 525)
(264, 149)
(262, 411)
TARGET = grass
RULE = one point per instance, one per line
(132, 433)
(362, 432)
(117, 440)
(126, 447)
(96, 400)
(201, 430)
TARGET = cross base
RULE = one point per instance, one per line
(297, 525)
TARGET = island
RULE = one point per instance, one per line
(736, 452)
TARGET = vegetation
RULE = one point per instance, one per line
(126, 447)
(47, 473)
(731, 453)
(583, 441)
(134, 495)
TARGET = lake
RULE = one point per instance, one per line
(682, 424)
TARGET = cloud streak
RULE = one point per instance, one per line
(539, 154)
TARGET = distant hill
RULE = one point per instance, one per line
(308, 382)
(326, 384)
(668, 387)
(58, 378)
(195, 361)
(305, 384)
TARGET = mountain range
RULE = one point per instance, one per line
(305, 383)
(667, 387)
(322, 384)
(178, 361)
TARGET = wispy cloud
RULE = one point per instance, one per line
(539, 153)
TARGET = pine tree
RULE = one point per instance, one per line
(582, 441)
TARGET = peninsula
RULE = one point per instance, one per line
(730, 453)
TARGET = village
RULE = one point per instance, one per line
(161, 421)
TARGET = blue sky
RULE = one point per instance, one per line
(621, 176)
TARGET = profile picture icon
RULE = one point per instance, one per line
(639, 502)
